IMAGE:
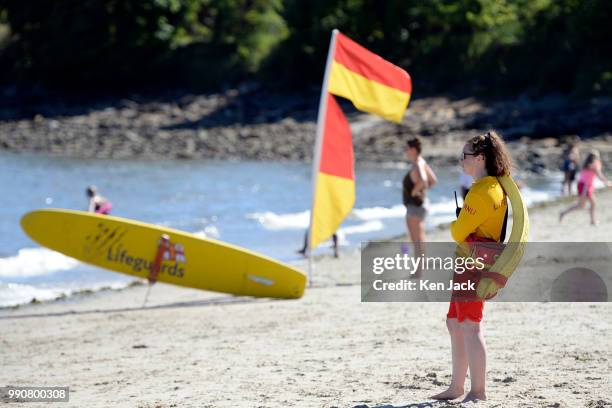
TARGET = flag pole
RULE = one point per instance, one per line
(316, 158)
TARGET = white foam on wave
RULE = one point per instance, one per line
(399, 211)
(35, 262)
(531, 196)
(186, 222)
(362, 228)
(300, 220)
(439, 212)
(442, 208)
(378, 213)
(209, 232)
(14, 294)
(273, 221)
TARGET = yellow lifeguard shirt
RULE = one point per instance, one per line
(483, 211)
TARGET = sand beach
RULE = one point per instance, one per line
(215, 139)
(190, 348)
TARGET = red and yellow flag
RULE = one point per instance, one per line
(373, 85)
(334, 193)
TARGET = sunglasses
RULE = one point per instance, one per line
(464, 154)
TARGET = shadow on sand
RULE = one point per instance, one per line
(428, 404)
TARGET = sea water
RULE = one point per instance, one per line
(262, 206)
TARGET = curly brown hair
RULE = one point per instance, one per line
(498, 161)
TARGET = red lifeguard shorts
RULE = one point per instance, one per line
(465, 310)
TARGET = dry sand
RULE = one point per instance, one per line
(192, 348)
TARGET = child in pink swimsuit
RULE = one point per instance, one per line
(586, 183)
(97, 203)
(586, 186)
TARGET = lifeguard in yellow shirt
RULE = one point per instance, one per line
(485, 158)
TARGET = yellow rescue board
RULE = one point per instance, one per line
(130, 247)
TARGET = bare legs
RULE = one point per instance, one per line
(581, 204)
(468, 350)
(477, 359)
(460, 362)
(566, 185)
(416, 229)
(335, 240)
(592, 210)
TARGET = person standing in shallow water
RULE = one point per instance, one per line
(485, 158)
(97, 203)
(416, 182)
(304, 250)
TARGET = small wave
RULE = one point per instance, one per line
(442, 208)
(186, 222)
(377, 213)
(301, 220)
(273, 221)
(14, 294)
(363, 228)
(531, 196)
(209, 232)
(439, 212)
(399, 211)
(35, 262)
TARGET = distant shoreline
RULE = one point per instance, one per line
(254, 124)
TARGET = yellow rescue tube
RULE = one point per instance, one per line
(508, 260)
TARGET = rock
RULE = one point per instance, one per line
(251, 123)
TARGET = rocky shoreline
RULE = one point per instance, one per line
(255, 124)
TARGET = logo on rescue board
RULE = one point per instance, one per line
(175, 254)
(102, 238)
(107, 241)
(172, 259)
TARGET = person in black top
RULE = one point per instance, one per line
(417, 181)
(570, 168)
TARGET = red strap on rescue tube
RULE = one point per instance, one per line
(163, 246)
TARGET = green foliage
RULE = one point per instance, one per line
(491, 45)
(114, 42)
(495, 46)
(90, 41)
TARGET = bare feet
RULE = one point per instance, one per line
(475, 397)
(449, 394)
